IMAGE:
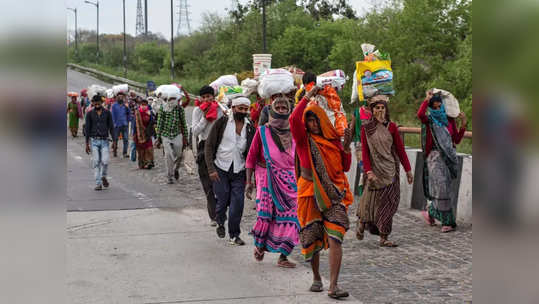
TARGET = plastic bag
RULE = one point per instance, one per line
(170, 91)
(452, 107)
(121, 88)
(335, 78)
(249, 86)
(95, 89)
(376, 78)
(275, 81)
(225, 80)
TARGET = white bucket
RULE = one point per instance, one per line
(261, 62)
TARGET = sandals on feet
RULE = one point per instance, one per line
(285, 264)
(317, 286)
(259, 254)
(387, 243)
(337, 294)
(427, 218)
(446, 229)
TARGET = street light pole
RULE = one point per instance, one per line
(125, 54)
(264, 24)
(172, 39)
(146, 18)
(76, 34)
(96, 4)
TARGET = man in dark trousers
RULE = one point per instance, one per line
(121, 115)
(225, 151)
(98, 125)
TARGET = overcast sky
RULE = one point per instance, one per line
(110, 14)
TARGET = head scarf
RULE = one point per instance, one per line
(328, 130)
(279, 125)
(372, 104)
(241, 101)
(439, 117)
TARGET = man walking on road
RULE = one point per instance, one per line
(121, 117)
(99, 125)
(172, 133)
(225, 151)
(205, 114)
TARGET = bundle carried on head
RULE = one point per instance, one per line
(95, 89)
(225, 80)
(336, 79)
(373, 76)
(170, 91)
(275, 81)
(120, 89)
(449, 101)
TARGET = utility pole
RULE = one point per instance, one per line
(96, 4)
(139, 31)
(76, 31)
(125, 53)
(264, 25)
(171, 39)
(146, 18)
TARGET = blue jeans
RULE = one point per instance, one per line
(124, 130)
(230, 191)
(100, 155)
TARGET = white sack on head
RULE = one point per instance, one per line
(275, 81)
(170, 91)
(95, 89)
(121, 88)
(249, 86)
(451, 104)
(225, 80)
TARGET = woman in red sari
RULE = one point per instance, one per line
(143, 133)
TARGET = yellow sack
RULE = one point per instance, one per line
(373, 78)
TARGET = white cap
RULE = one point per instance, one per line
(241, 101)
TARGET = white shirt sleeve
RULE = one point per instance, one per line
(199, 122)
(354, 95)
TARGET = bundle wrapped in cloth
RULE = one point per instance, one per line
(95, 89)
(225, 80)
(249, 86)
(275, 81)
(121, 88)
(335, 78)
(373, 76)
(72, 94)
(170, 91)
(329, 100)
(452, 108)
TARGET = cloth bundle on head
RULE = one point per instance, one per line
(84, 92)
(331, 103)
(279, 124)
(241, 100)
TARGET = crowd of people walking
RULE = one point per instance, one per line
(285, 154)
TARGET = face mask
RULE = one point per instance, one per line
(239, 116)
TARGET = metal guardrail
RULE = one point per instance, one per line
(113, 79)
(415, 130)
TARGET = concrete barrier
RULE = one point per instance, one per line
(412, 196)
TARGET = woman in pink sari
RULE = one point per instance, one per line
(271, 156)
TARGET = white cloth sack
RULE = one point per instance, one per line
(95, 89)
(225, 80)
(121, 88)
(110, 93)
(275, 81)
(451, 104)
(170, 91)
(335, 78)
(249, 86)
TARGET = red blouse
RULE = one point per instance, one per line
(299, 133)
(451, 127)
(399, 147)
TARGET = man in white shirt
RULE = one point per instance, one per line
(205, 114)
(225, 151)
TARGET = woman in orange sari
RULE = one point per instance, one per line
(323, 191)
